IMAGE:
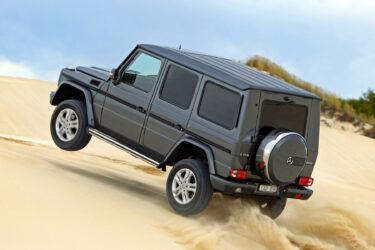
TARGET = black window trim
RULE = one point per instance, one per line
(165, 77)
(239, 112)
(130, 60)
(221, 86)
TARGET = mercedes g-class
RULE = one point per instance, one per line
(221, 125)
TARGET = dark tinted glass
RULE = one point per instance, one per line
(220, 105)
(179, 87)
(283, 115)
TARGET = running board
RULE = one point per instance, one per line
(119, 145)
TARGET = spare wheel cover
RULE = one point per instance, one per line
(284, 155)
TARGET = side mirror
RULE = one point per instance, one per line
(114, 76)
(129, 77)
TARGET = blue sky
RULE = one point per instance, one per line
(330, 43)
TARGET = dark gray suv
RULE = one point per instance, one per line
(222, 126)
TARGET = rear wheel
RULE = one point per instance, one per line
(189, 189)
(273, 207)
(69, 125)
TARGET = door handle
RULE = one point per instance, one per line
(141, 109)
(179, 127)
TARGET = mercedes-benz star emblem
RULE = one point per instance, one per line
(290, 161)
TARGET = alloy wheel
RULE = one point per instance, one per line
(67, 125)
(184, 186)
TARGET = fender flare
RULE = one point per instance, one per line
(204, 147)
(85, 91)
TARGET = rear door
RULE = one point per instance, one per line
(284, 111)
(127, 102)
(171, 108)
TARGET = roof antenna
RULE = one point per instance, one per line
(179, 47)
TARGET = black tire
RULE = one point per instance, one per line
(273, 207)
(82, 137)
(203, 193)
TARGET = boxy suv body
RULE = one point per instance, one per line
(222, 126)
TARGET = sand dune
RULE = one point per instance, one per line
(102, 198)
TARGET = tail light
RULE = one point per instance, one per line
(305, 181)
(238, 174)
(261, 165)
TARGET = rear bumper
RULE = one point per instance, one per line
(252, 188)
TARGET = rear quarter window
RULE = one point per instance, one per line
(220, 105)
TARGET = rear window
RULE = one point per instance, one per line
(179, 87)
(283, 115)
(220, 105)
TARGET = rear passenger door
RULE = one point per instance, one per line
(171, 108)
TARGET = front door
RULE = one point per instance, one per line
(127, 102)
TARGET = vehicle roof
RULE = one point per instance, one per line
(233, 73)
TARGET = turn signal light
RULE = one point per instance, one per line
(238, 174)
(305, 181)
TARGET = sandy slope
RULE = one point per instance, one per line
(102, 198)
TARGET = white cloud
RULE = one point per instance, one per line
(45, 65)
(8, 68)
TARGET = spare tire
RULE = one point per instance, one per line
(282, 156)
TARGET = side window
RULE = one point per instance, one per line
(142, 72)
(220, 105)
(179, 87)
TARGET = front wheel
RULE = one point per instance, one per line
(189, 189)
(69, 125)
